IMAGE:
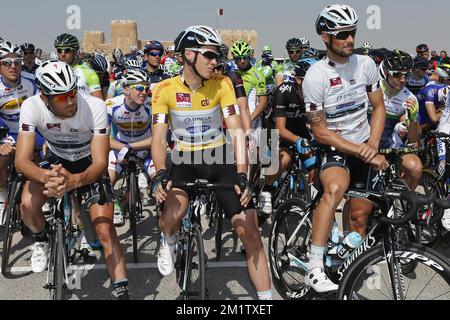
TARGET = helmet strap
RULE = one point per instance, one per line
(192, 65)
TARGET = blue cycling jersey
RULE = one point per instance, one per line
(428, 94)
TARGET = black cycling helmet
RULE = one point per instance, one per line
(421, 48)
(66, 40)
(302, 66)
(293, 44)
(377, 56)
(396, 61)
(27, 47)
(99, 63)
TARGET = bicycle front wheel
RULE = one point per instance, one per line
(194, 278)
(11, 214)
(132, 198)
(58, 271)
(289, 239)
(369, 278)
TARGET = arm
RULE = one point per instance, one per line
(378, 117)
(280, 124)
(262, 104)
(235, 128)
(323, 135)
(158, 146)
(245, 113)
(24, 158)
(99, 154)
(434, 114)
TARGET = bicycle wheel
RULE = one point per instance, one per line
(289, 240)
(194, 271)
(430, 235)
(368, 277)
(11, 214)
(219, 216)
(58, 272)
(132, 196)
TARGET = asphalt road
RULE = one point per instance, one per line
(226, 279)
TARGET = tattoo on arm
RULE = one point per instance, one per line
(316, 118)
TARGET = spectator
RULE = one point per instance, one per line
(434, 56)
(444, 58)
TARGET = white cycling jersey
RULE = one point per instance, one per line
(341, 90)
(70, 138)
(11, 100)
(127, 124)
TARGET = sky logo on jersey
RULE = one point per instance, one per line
(184, 100)
(336, 82)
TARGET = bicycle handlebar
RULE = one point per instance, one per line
(415, 201)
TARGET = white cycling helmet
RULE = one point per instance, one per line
(195, 36)
(7, 47)
(335, 18)
(131, 63)
(134, 76)
(304, 42)
(366, 45)
(55, 77)
(443, 93)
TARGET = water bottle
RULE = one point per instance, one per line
(67, 211)
(350, 242)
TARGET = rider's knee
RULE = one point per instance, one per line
(333, 193)
(413, 165)
(104, 232)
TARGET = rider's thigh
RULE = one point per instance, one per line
(335, 181)
(411, 163)
(32, 198)
(176, 204)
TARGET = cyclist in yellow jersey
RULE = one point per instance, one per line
(194, 105)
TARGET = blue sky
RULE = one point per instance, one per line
(404, 24)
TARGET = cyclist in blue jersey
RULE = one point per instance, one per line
(418, 79)
(431, 105)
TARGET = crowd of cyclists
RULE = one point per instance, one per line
(189, 101)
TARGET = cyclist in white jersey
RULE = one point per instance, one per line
(337, 90)
(76, 129)
(67, 47)
(444, 127)
(130, 118)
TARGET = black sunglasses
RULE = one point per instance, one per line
(343, 35)
(155, 54)
(296, 51)
(64, 50)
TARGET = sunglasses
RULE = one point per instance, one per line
(140, 88)
(28, 52)
(295, 51)
(9, 62)
(155, 54)
(239, 58)
(343, 35)
(64, 50)
(208, 54)
(398, 74)
(62, 98)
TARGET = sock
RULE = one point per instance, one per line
(171, 241)
(117, 206)
(121, 289)
(264, 295)
(316, 257)
(41, 236)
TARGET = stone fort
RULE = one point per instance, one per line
(124, 33)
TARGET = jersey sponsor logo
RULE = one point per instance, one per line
(183, 100)
(337, 158)
(53, 126)
(334, 82)
(285, 87)
(205, 102)
(198, 119)
(13, 104)
(347, 95)
(74, 130)
(198, 129)
(353, 82)
(109, 103)
(139, 125)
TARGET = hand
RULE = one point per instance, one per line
(379, 162)
(245, 189)
(302, 146)
(57, 181)
(367, 152)
(6, 149)
(163, 185)
(413, 109)
(123, 153)
(441, 168)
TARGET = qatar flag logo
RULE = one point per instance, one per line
(336, 82)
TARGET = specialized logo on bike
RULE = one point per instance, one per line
(184, 100)
(368, 242)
